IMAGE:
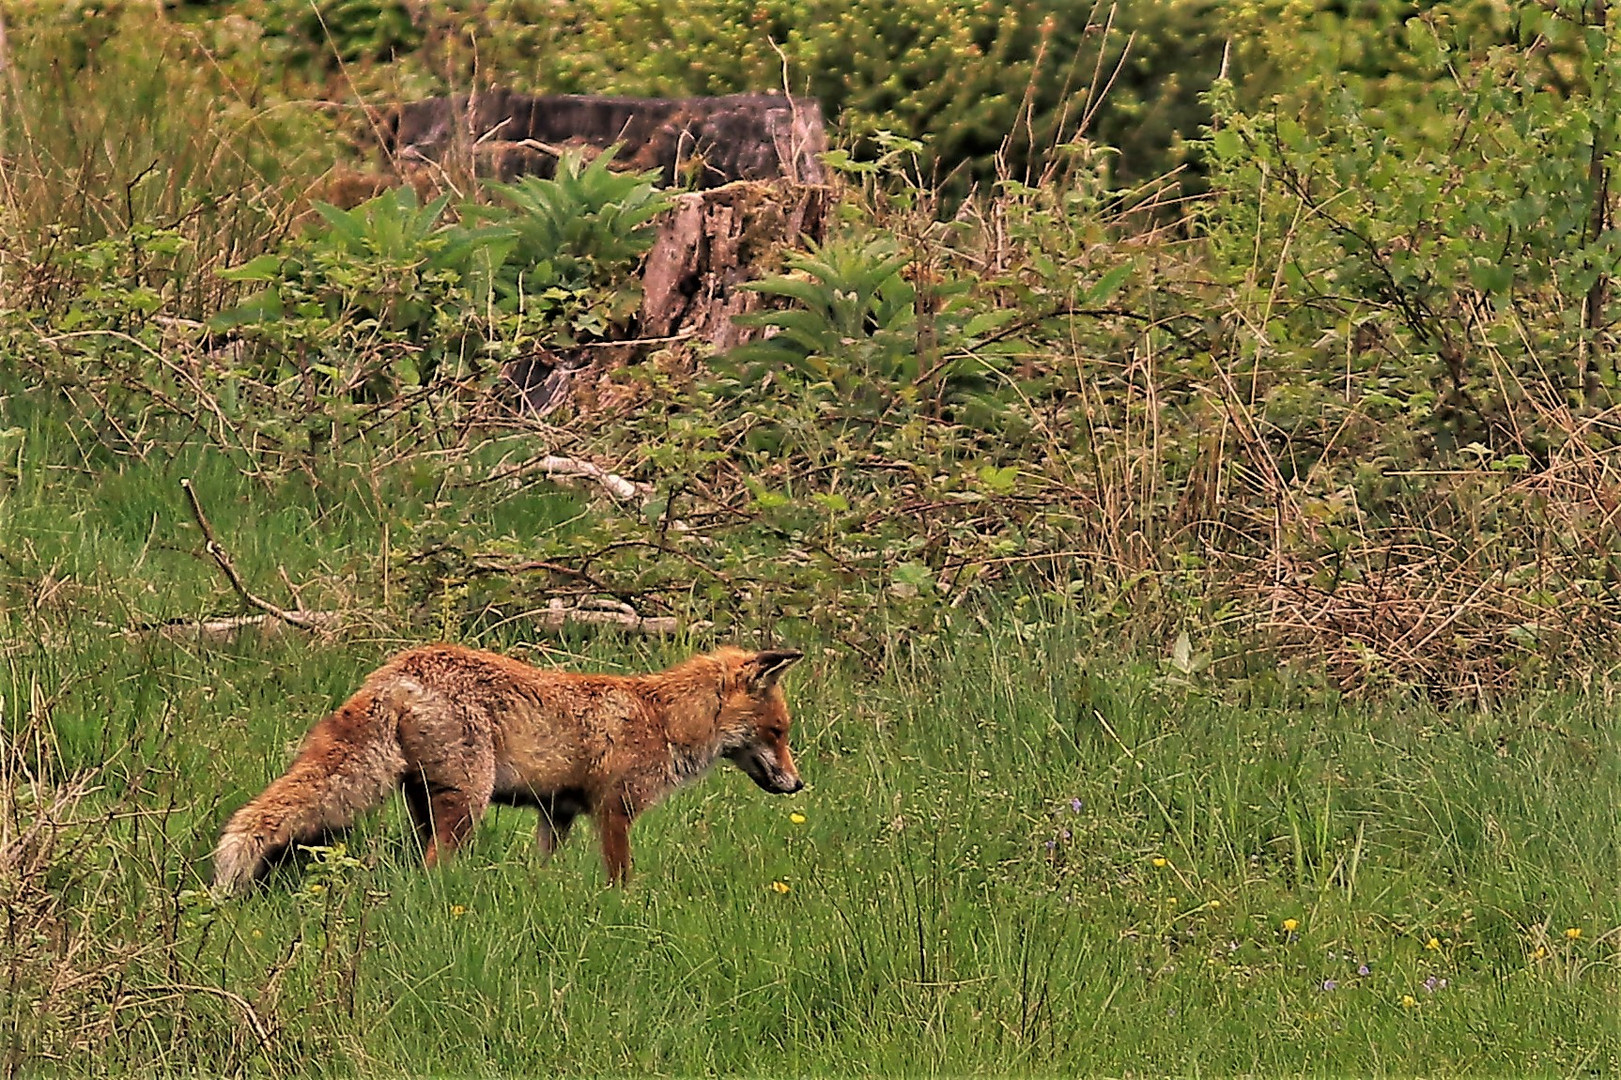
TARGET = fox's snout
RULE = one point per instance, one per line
(772, 770)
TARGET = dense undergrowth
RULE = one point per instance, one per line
(1173, 567)
(1352, 406)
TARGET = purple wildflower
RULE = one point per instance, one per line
(1432, 984)
(1076, 805)
(1330, 984)
(1051, 844)
(1063, 834)
(1362, 969)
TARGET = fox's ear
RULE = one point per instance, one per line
(762, 670)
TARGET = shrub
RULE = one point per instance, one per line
(392, 294)
(1461, 264)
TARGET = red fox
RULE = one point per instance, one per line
(459, 728)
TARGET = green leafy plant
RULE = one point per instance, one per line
(375, 300)
(1464, 263)
(394, 294)
(326, 34)
(575, 237)
(858, 332)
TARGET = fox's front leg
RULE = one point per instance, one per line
(613, 816)
(613, 828)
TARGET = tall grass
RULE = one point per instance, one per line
(117, 121)
(1022, 851)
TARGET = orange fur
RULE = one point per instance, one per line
(457, 728)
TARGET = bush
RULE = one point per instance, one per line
(1455, 271)
(391, 294)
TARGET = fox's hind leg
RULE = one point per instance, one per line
(415, 790)
(450, 780)
(453, 812)
(557, 815)
(443, 816)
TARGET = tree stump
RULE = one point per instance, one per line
(752, 163)
(714, 241)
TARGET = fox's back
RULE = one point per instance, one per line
(548, 729)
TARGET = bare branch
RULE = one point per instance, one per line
(228, 628)
(556, 614)
(304, 620)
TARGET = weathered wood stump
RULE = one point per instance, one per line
(712, 242)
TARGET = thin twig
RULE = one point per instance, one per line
(304, 620)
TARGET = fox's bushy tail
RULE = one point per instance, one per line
(350, 763)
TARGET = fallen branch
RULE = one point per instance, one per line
(304, 620)
(554, 466)
(228, 628)
(556, 615)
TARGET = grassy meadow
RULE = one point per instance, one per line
(1021, 850)
(1209, 583)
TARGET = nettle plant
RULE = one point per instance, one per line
(392, 294)
(1464, 250)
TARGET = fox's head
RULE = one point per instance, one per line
(754, 719)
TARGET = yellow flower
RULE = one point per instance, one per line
(257, 933)
(1573, 934)
(780, 887)
(797, 818)
(1540, 954)
(1408, 1001)
(1432, 944)
(1215, 904)
(458, 910)
(1291, 925)
(1170, 901)
(1159, 861)
(315, 887)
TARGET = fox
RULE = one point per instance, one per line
(456, 729)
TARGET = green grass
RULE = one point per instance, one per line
(975, 887)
